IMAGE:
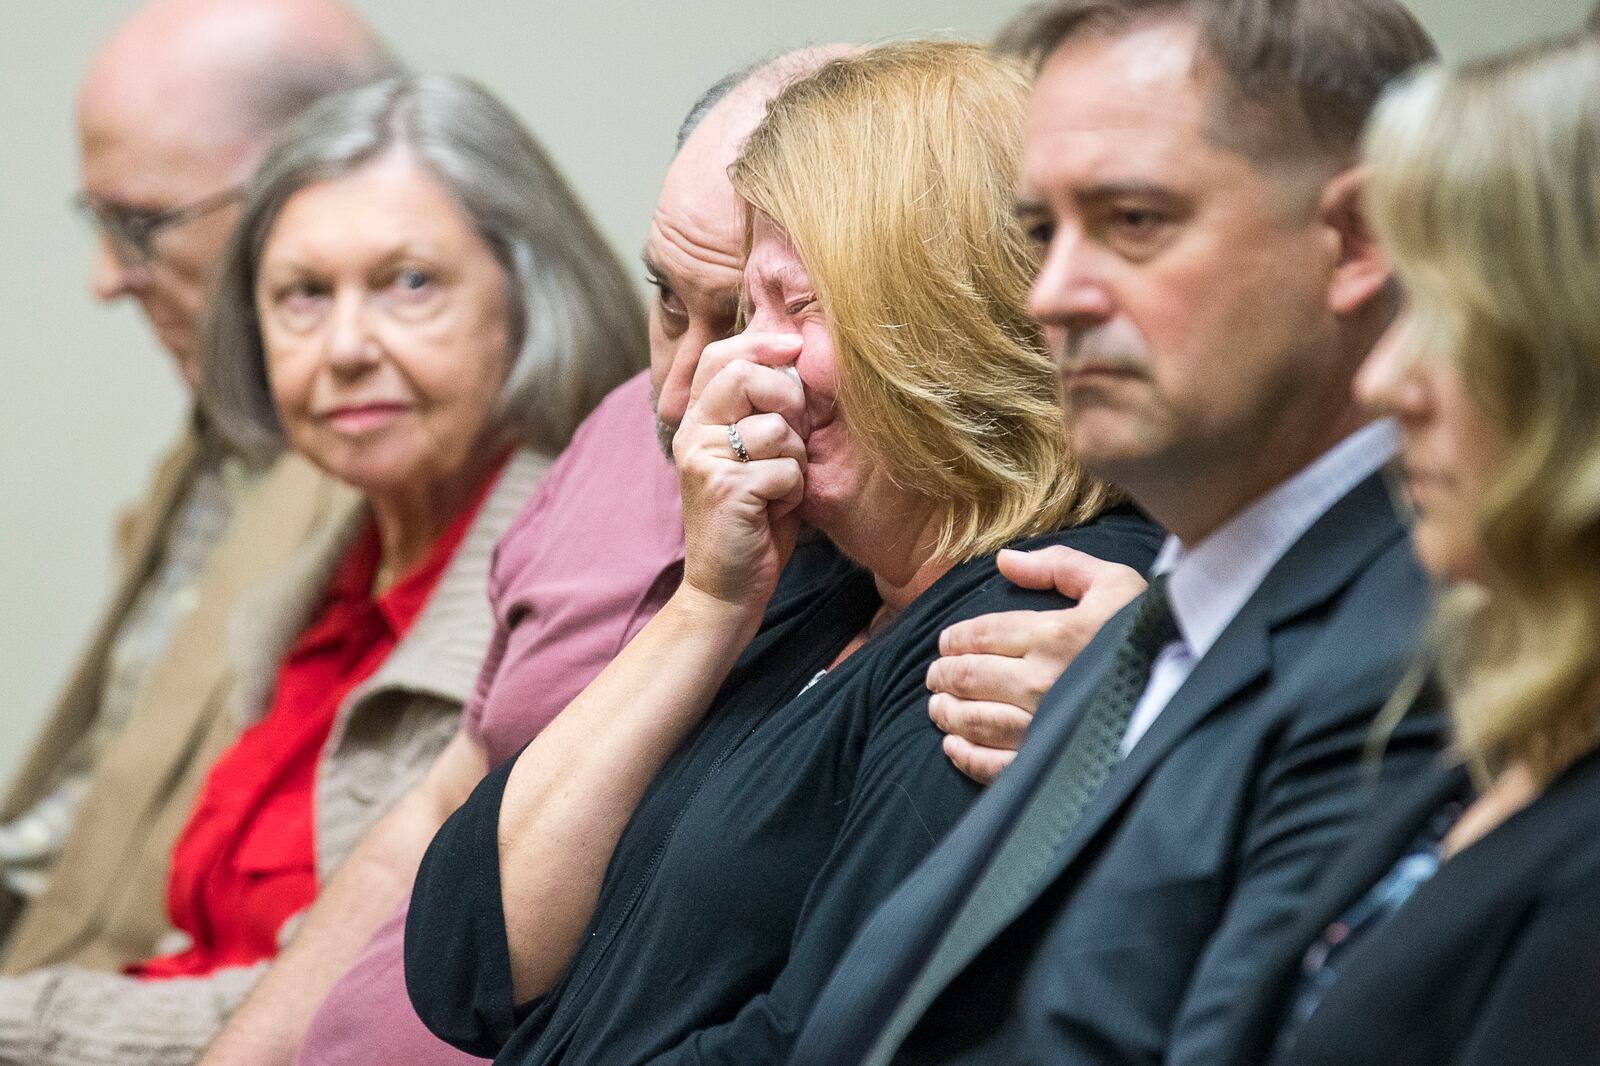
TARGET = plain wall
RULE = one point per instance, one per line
(88, 400)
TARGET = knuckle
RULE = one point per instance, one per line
(1123, 578)
(1042, 678)
(1016, 729)
(981, 769)
(1030, 626)
(980, 630)
(982, 722)
(956, 639)
(722, 483)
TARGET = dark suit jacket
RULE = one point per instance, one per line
(1494, 961)
(1185, 868)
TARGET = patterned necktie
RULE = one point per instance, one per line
(1080, 771)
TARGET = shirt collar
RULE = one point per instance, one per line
(1210, 582)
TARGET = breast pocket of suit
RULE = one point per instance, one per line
(1161, 873)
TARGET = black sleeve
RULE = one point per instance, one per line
(907, 796)
(1544, 1007)
(458, 964)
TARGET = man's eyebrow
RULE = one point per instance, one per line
(1120, 190)
(1029, 207)
(658, 275)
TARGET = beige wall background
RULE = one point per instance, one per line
(87, 400)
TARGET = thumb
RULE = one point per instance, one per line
(1067, 570)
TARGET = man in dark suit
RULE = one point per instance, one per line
(1209, 288)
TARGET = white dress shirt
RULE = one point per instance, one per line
(1209, 583)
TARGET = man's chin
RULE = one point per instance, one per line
(1110, 452)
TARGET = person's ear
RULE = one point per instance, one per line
(1361, 270)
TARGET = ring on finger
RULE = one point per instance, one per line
(737, 443)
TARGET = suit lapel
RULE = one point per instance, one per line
(926, 904)
(981, 833)
(1320, 564)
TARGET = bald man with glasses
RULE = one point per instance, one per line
(173, 114)
(130, 235)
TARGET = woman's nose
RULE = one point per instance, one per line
(1389, 381)
(351, 342)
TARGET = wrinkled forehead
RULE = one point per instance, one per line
(1099, 96)
(697, 232)
(1139, 112)
(773, 265)
(1146, 106)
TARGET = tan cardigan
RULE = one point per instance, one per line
(385, 736)
(388, 731)
(104, 900)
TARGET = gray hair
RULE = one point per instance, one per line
(284, 87)
(712, 97)
(774, 68)
(577, 328)
(1299, 77)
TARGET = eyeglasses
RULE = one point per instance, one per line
(132, 232)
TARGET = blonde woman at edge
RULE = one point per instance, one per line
(676, 863)
(1464, 927)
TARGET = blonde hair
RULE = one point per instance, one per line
(1485, 189)
(892, 172)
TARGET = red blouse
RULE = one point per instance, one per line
(246, 861)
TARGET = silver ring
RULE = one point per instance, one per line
(737, 444)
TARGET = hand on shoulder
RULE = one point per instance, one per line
(993, 670)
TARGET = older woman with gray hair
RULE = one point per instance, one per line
(414, 301)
